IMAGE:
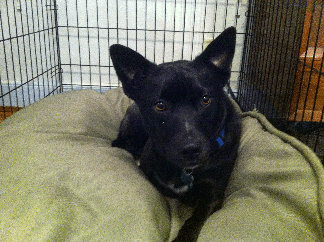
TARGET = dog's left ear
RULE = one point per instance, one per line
(220, 51)
(130, 67)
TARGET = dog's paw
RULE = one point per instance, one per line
(187, 236)
(184, 239)
(116, 143)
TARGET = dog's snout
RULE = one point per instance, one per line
(191, 151)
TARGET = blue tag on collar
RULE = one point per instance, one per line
(219, 139)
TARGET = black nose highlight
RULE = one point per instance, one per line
(191, 151)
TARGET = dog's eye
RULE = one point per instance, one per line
(205, 100)
(160, 106)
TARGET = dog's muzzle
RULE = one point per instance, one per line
(187, 177)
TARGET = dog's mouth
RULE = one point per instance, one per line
(178, 185)
(190, 167)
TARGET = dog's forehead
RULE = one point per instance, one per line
(176, 69)
(179, 79)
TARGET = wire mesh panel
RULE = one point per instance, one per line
(162, 31)
(49, 46)
(282, 67)
(30, 61)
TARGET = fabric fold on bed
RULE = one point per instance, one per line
(275, 192)
(60, 180)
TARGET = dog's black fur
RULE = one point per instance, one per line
(182, 126)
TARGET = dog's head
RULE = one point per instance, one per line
(182, 102)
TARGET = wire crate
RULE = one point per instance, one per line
(282, 67)
(30, 66)
(51, 46)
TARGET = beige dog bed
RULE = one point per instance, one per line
(62, 181)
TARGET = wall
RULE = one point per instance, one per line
(162, 31)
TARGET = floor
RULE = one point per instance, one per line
(6, 112)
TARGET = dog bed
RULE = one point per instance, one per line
(61, 180)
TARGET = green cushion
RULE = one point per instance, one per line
(60, 179)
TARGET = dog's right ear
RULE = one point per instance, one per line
(131, 68)
(219, 54)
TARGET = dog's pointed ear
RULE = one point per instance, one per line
(220, 51)
(130, 67)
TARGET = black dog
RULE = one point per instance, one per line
(183, 126)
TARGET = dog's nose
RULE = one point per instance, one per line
(191, 151)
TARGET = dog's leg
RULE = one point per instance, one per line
(132, 134)
(189, 232)
(210, 196)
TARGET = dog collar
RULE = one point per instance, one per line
(220, 138)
